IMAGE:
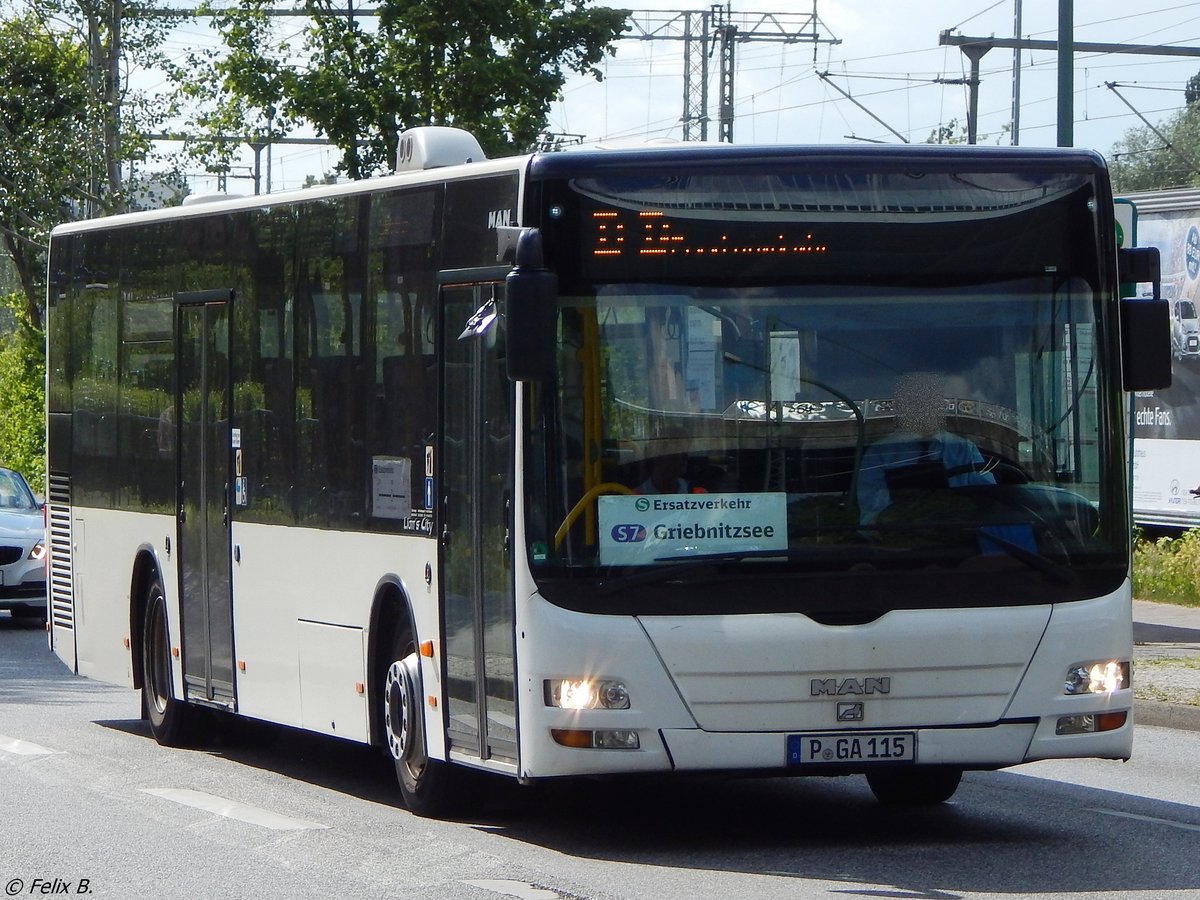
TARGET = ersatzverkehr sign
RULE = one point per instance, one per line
(638, 530)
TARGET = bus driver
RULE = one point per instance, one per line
(920, 452)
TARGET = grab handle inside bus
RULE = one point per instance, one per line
(531, 312)
(1145, 323)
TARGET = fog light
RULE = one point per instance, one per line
(1097, 677)
(38, 551)
(1091, 723)
(1076, 725)
(617, 740)
(584, 693)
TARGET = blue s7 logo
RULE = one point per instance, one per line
(629, 534)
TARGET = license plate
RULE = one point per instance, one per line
(851, 747)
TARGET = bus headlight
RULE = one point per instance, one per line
(586, 693)
(1097, 677)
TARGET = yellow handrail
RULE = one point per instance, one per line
(607, 487)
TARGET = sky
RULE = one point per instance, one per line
(884, 53)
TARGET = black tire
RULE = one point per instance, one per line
(28, 611)
(430, 787)
(914, 785)
(171, 720)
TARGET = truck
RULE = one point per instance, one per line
(1166, 423)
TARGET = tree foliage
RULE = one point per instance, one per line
(67, 122)
(1166, 155)
(22, 368)
(42, 99)
(492, 67)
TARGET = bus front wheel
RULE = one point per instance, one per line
(914, 785)
(427, 785)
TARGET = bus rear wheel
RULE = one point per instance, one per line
(170, 719)
(427, 785)
(914, 785)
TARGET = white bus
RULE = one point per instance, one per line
(759, 459)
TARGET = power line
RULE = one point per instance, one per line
(974, 49)
(720, 29)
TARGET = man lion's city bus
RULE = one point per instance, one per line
(696, 458)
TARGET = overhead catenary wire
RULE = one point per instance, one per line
(1169, 144)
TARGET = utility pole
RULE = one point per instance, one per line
(727, 34)
(976, 47)
(1066, 73)
(718, 29)
(1016, 91)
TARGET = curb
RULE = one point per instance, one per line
(1166, 715)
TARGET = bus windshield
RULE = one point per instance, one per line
(796, 423)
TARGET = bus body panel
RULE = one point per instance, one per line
(982, 747)
(295, 590)
(1013, 684)
(106, 544)
(1080, 633)
(909, 667)
(291, 624)
(555, 644)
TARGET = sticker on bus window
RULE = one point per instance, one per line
(391, 487)
(638, 530)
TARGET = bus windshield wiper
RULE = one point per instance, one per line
(1056, 572)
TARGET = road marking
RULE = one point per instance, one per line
(231, 809)
(522, 890)
(1171, 822)
(23, 748)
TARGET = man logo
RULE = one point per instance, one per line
(629, 534)
(498, 218)
(832, 687)
(851, 712)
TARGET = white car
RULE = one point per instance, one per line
(22, 548)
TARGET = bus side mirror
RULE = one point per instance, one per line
(531, 312)
(1145, 324)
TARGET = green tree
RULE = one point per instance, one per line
(68, 124)
(42, 101)
(1166, 155)
(22, 364)
(492, 67)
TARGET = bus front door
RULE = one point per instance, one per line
(205, 462)
(476, 514)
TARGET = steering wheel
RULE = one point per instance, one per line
(606, 487)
